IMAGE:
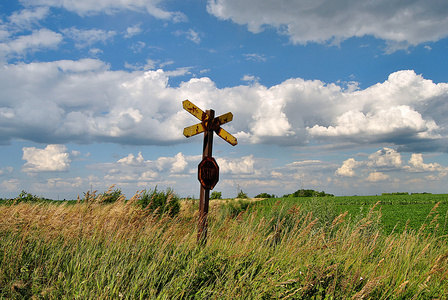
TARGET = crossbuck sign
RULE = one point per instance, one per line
(208, 170)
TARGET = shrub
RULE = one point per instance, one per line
(28, 197)
(216, 195)
(242, 195)
(160, 202)
(111, 196)
(265, 195)
(308, 193)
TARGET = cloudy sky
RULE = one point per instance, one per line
(349, 97)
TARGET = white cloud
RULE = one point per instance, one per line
(244, 165)
(255, 57)
(6, 171)
(86, 38)
(389, 160)
(84, 101)
(131, 160)
(399, 23)
(132, 31)
(10, 185)
(416, 164)
(28, 17)
(138, 47)
(88, 7)
(176, 164)
(377, 176)
(38, 40)
(386, 158)
(250, 78)
(190, 34)
(347, 168)
(95, 51)
(51, 158)
(377, 123)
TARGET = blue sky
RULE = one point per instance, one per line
(349, 97)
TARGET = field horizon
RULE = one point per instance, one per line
(267, 249)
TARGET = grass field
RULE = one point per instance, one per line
(398, 211)
(269, 249)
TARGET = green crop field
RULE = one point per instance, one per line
(283, 248)
(397, 211)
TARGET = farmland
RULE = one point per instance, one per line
(281, 248)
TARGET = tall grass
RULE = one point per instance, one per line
(91, 250)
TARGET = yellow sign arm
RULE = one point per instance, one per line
(227, 136)
(193, 130)
(194, 110)
(225, 118)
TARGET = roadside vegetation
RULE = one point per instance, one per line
(277, 248)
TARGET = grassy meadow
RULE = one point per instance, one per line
(290, 248)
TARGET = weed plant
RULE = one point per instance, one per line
(92, 250)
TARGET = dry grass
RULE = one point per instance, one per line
(90, 250)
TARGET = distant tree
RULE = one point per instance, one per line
(216, 195)
(308, 193)
(242, 195)
(393, 194)
(28, 197)
(265, 195)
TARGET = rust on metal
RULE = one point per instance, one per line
(227, 136)
(208, 170)
(208, 173)
(225, 118)
(193, 130)
(194, 110)
(208, 123)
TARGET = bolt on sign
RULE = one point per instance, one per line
(208, 169)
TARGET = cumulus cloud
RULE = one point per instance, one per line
(131, 160)
(385, 158)
(377, 176)
(378, 124)
(399, 23)
(388, 160)
(135, 170)
(244, 165)
(416, 164)
(38, 40)
(347, 168)
(53, 158)
(84, 101)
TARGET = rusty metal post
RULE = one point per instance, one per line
(205, 193)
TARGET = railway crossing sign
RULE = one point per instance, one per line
(208, 123)
(208, 170)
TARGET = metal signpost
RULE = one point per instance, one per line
(208, 169)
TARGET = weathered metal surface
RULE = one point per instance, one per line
(208, 123)
(194, 110)
(208, 173)
(225, 118)
(194, 129)
(227, 136)
(208, 170)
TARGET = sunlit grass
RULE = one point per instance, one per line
(91, 250)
